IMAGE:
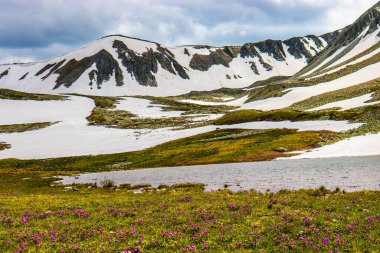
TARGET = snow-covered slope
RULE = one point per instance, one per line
(354, 39)
(119, 65)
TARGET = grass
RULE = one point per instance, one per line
(242, 116)
(103, 102)
(102, 114)
(276, 89)
(17, 95)
(372, 86)
(4, 145)
(184, 218)
(356, 57)
(171, 104)
(220, 146)
(214, 95)
(18, 128)
(126, 120)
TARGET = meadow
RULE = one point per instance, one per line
(184, 218)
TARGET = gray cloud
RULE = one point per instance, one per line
(43, 28)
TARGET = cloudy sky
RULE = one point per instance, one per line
(40, 29)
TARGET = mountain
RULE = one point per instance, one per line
(319, 94)
(119, 65)
(361, 36)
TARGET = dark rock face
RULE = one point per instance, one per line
(297, 48)
(4, 73)
(204, 62)
(250, 50)
(105, 67)
(41, 71)
(53, 69)
(23, 77)
(232, 51)
(254, 68)
(167, 59)
(370, 19)
(143, 67)
(273, 48)
(328, 37)
(350, 34)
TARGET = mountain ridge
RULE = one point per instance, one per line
(249, 62)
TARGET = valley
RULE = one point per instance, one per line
(130, 145)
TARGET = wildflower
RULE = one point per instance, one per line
(81, 212)
(231, 206)
(306, 219)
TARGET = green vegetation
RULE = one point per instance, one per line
(369, 115)
(242, 116)
(184, 218)
(103, 102)
(4, 146)
(171, 104)
(102, 115)
(356, 57)
(220, 146)
(18, 128)
(338, 95)
(17, 95)
(127, 120)
(212, 96)
(276, 89)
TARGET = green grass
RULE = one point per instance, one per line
(242, 116)
(368, 115)
(184, 218)
(18, 128)
(221, 146)
(4, 145)
(356, 57)
(372, 86)
(276, 89)
(126, 120)
(102, 114)
(212, 96)
(104, 102)
(17, 95)
(171, 104)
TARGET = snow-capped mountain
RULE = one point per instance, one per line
(359, 37)
(119, 65)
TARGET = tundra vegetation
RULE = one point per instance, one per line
(35, 216)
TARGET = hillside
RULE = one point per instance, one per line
(117, 65)
(306, 97)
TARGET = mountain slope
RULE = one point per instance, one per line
(362, 35)
(119, 65)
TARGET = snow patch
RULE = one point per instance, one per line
(348, 103)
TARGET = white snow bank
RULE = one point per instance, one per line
(364, 44)
(301, 93)
(363, 58)
(355, 146)
(75, 109)
(348, 103)
(73, 137)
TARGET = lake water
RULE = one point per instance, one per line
(349, 173)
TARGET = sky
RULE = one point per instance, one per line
(32, 30)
